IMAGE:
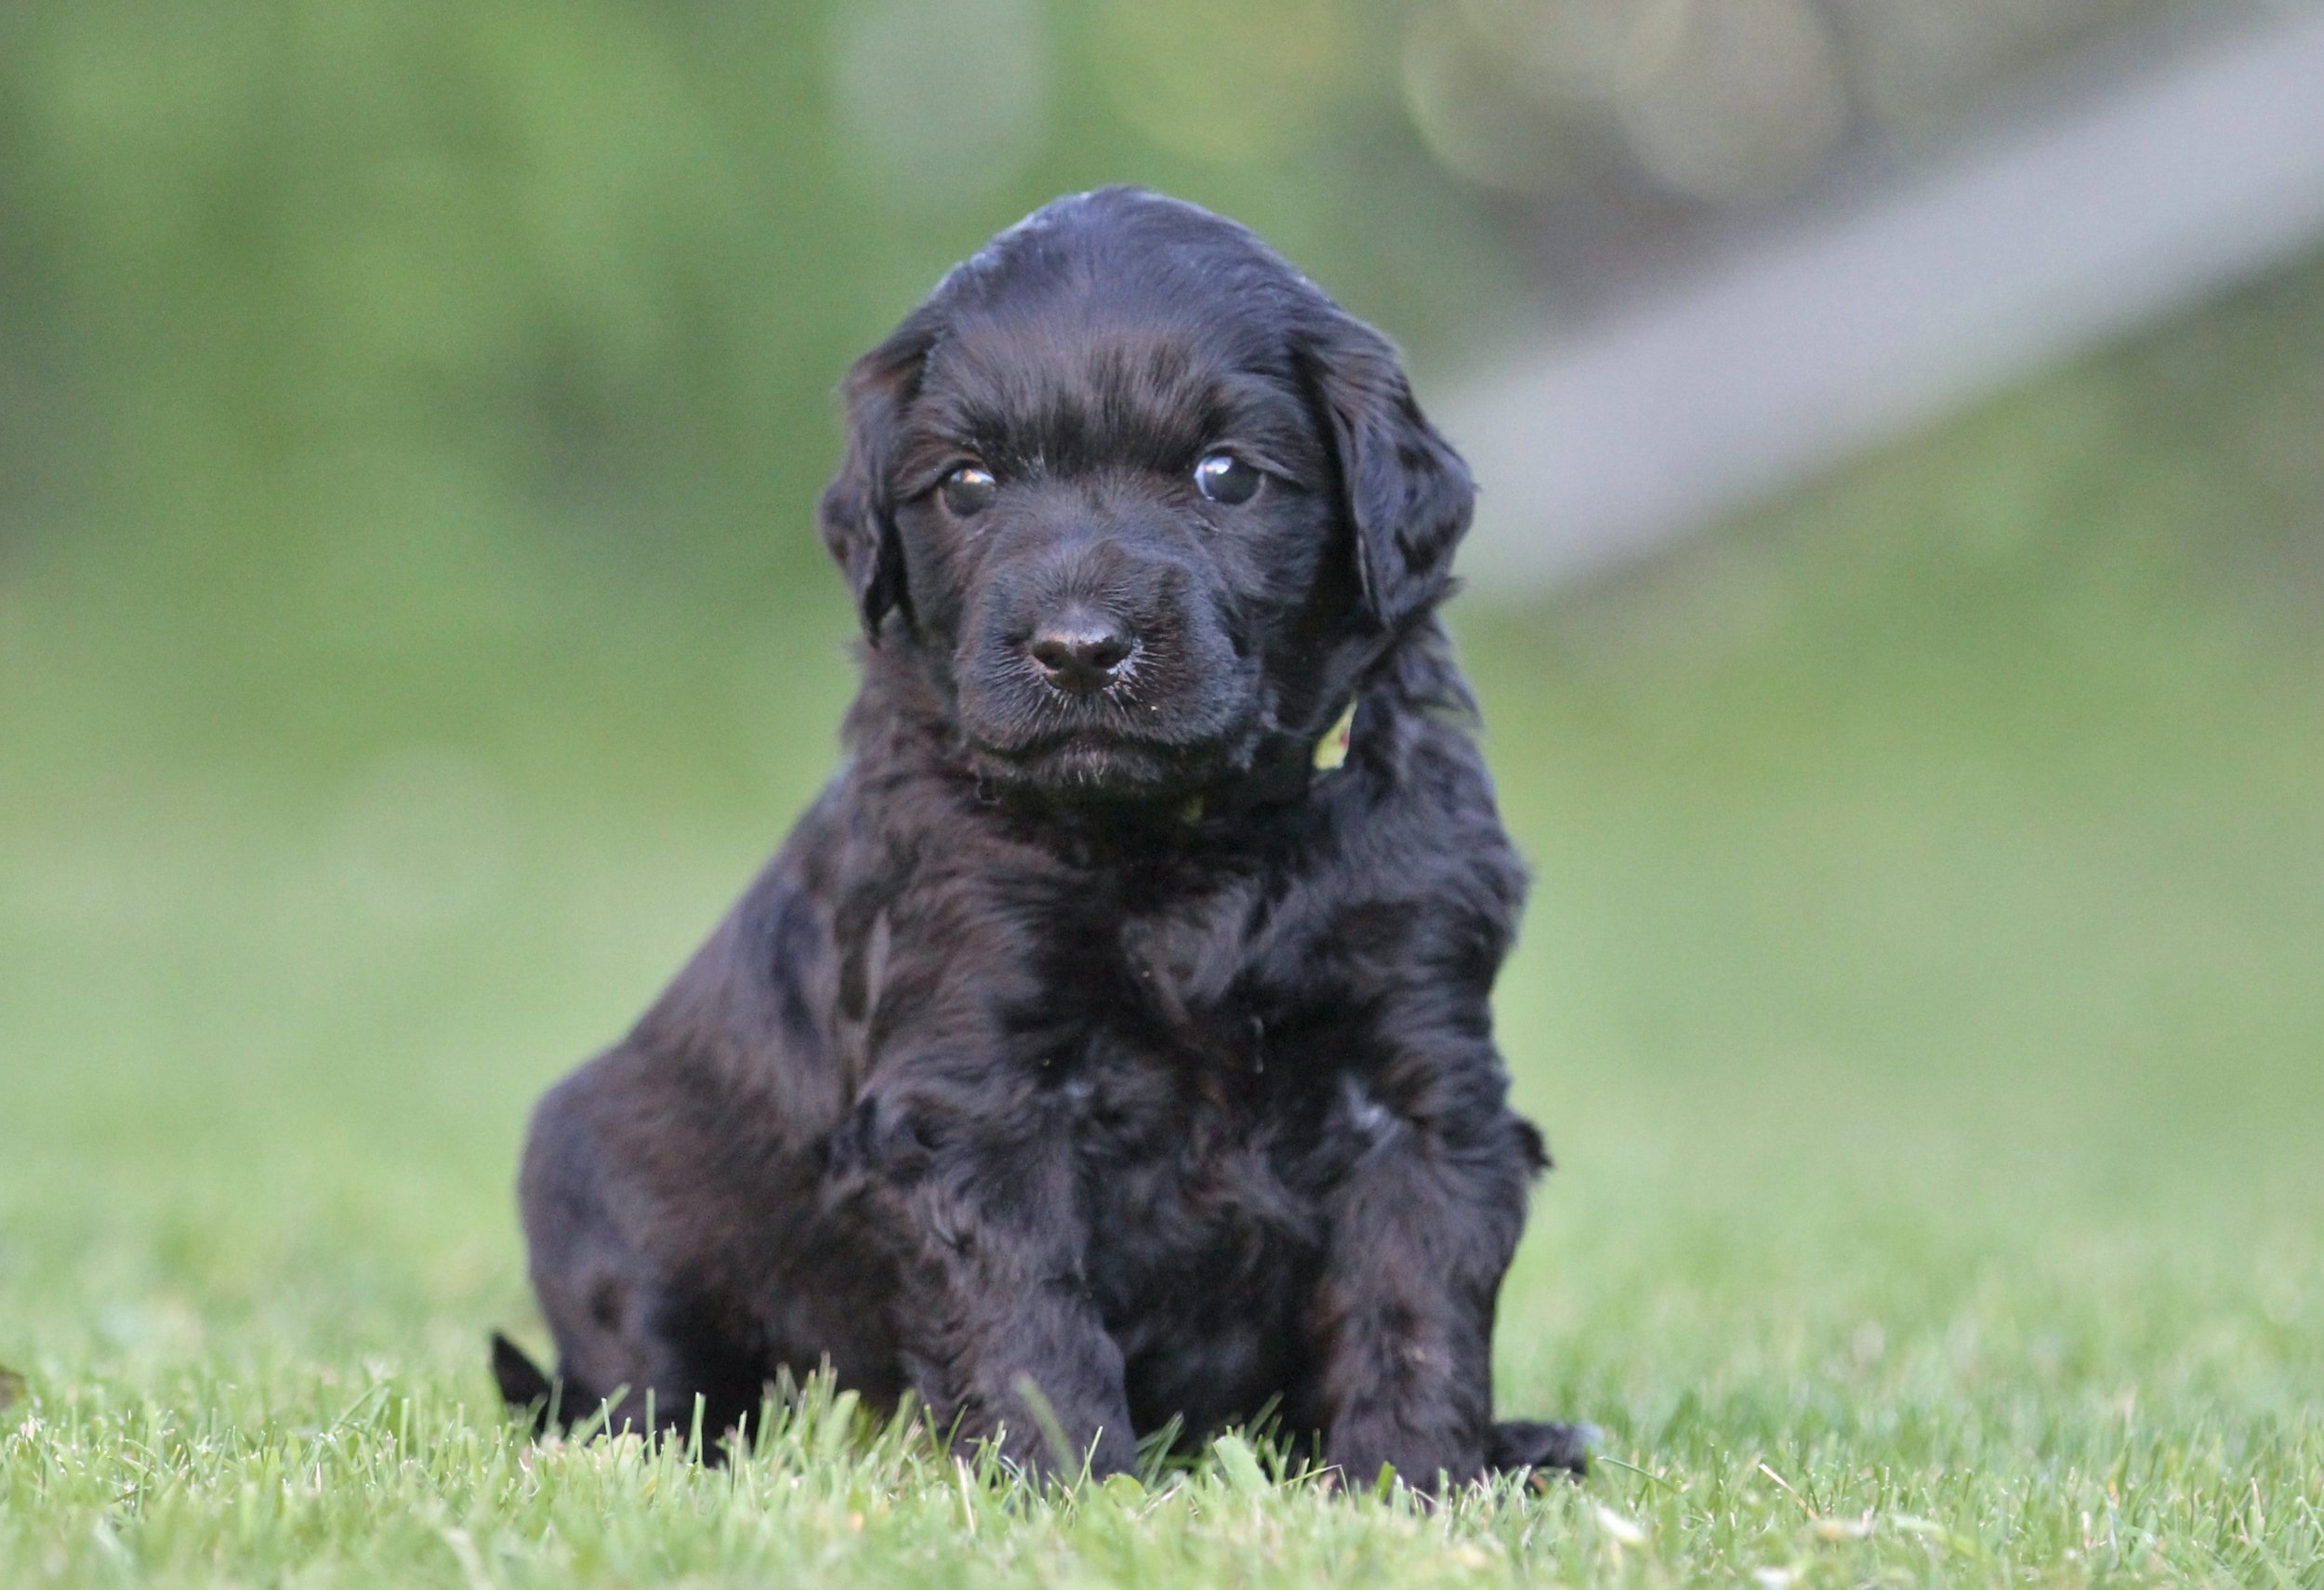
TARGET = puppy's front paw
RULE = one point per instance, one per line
(1541, 1446)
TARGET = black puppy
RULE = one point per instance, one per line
(1111, 1043)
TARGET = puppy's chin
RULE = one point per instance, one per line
(1099, 769)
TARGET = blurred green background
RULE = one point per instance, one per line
(412, 633)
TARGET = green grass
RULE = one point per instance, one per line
(1923, 993)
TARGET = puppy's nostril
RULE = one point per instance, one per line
(1082, 651)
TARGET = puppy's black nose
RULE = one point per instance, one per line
(1081, 650)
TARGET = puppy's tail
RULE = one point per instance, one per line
(523, 1385)
(1521, 1445)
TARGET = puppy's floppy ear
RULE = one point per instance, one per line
(857, 513)
(1409, 495)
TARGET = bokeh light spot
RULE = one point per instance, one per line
(943, 100)
(1480, 126)
(1593, 49)
(1750, 102)
(1225, 79)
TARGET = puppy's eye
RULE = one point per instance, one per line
(1224, 478)
(968, 490)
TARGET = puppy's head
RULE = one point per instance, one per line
(1141, 499)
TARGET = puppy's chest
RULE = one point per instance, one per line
(1201, 1106)
(1185, 1176)
(1211, 992)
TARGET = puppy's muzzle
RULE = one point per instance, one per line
(1082, 649)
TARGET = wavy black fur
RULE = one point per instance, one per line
(1095, 1041)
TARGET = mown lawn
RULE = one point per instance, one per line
(1923, 993)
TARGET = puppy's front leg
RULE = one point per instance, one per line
(999, 1334)
(1422, 1229)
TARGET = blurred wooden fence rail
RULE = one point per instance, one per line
(1878, 308)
